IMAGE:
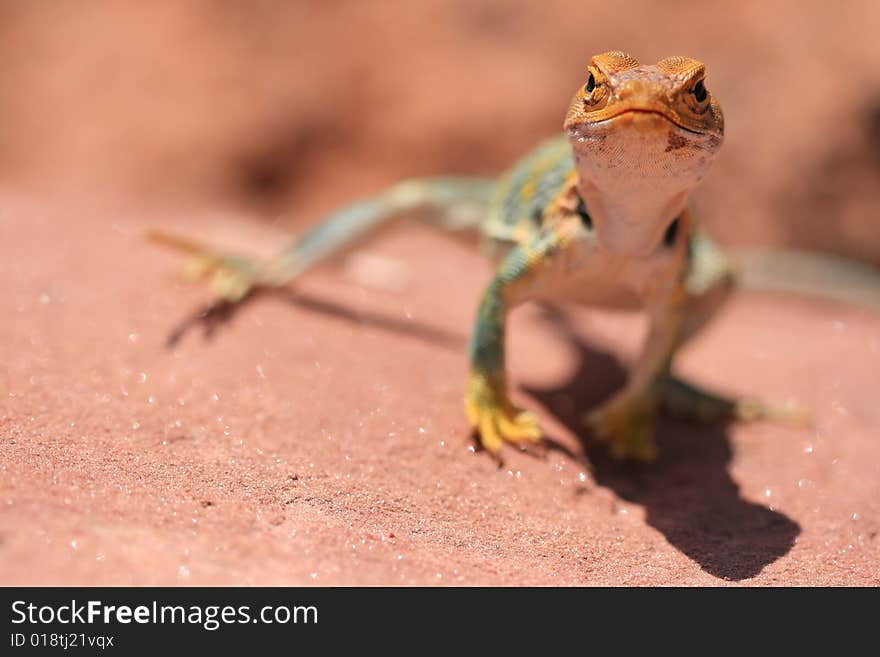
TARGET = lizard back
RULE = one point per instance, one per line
(525, 190)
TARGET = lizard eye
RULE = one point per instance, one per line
(594, 90)
(594, 94)
(699, 92)
(591, 84)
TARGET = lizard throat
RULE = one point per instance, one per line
(636, 169)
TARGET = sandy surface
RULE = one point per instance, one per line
(320, 439)
(324, 443)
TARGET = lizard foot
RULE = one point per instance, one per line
(227, 282)
(230, 277)
(495, 418)
(626, 423)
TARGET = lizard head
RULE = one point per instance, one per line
(643, 137)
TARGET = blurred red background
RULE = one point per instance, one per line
(287, 109)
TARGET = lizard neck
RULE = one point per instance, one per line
(629, 217)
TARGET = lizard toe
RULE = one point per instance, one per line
(626, 424)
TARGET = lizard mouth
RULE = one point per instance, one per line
(635, 109)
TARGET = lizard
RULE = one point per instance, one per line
(597, 215)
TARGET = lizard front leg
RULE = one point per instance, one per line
(487, 402)
(626, 421)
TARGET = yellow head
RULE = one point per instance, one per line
(643, 137)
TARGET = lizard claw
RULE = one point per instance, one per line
(232, 279)
(495, 419)
(626, 423)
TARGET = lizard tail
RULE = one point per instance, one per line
(459, 205)
(819, 275)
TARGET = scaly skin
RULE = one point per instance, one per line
(598, 217)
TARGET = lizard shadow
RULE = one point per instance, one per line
(211, 317)
(688, 494)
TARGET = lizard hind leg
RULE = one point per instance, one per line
(461, 203)
(709, 285)
(686, 401)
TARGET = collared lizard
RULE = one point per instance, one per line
(596, 216)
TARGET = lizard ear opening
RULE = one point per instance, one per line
(581, 210)
(671, 233)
